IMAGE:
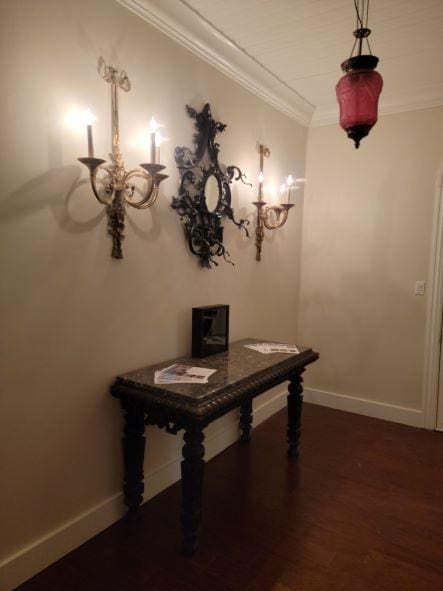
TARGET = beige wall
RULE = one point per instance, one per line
(366, 240)
(73, 318)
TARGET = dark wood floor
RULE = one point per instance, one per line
(362, 511)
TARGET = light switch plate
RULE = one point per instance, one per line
(420, 287)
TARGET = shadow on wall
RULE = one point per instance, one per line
(56, 189)
(52, 189)
(150, 235)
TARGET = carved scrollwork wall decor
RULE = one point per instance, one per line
(202, 180)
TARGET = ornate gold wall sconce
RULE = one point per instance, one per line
(115, 188)
(270, 217)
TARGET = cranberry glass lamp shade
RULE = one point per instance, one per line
(357, 94)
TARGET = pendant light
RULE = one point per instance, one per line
(358, 90)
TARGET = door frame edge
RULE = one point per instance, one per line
(434, 316)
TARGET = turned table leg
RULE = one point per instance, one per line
(192, 468)
(295, 404)
(133, 455)
(246, 421)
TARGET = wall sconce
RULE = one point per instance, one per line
(270, 216)
(117, 188)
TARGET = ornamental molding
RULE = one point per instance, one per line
(181, 23)
(188, 28)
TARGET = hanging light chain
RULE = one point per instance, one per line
(359, 22)
(362, 32)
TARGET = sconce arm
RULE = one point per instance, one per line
(93, 165)
(281, 214)
(148, 173)
(264, 221)
(137, 173)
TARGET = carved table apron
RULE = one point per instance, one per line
(242, 374)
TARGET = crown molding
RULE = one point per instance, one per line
(191, 30)
(425, 97)
(184, 25)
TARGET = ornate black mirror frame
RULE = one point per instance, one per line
(204, 227)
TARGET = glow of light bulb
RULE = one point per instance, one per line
(79, 118)
(159, 139)
(283, 188)
(154, 125)
(289, 180)
(270, 190)
(260, 177)
(89, 117)
(300, 180)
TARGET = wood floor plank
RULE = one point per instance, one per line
(361, 511)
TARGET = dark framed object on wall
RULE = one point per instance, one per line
(204, 199)
(210, 330)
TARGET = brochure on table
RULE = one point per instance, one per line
(267, 348)
(183, 374)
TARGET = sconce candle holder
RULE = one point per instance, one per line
(270, 217)
(117, 188)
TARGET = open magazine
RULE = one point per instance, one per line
(183, 374)
(267, 348)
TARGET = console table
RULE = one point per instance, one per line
(242, 374)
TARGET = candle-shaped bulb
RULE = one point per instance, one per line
(154, 126)
(159, 139)
(78, 119)
(90, 141)
(260, 177)
(89, 118)
(289, 185)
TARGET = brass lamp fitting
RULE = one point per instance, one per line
(265, 212)
(116, 189)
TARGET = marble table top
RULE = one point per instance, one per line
(234, 367)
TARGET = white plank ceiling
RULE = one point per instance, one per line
(303, 42)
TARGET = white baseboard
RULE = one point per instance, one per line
(369, 408)
(30, 560)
